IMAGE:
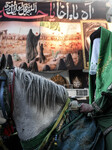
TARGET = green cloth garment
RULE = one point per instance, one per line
(100, 96)
(109, 141)
(103, 116)
(103, 110)
(104, 67)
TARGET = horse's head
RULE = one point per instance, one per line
(37, 101)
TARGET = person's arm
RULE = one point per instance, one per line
(104, 103)
(99, 106)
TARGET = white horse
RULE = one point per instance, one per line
(37, 103)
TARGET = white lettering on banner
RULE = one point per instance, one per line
(91, 11)
(22, 9)
(75, 14)
(63, 11)
(60, 14)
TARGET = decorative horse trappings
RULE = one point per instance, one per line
(43, 117)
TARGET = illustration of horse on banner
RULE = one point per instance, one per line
(42, 113)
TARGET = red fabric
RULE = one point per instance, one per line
(8, 130)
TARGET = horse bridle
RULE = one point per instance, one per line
(6, 94)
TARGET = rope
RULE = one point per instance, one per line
(69, 124)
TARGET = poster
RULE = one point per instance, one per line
(48, 34)
(88, 27)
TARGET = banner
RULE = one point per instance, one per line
(52, 11)
(52, 34)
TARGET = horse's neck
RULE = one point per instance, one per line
(29, 122)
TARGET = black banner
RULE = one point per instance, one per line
(52, 11)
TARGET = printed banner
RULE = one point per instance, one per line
(49, 35)
(52, 11)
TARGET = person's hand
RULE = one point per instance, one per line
(84, 107)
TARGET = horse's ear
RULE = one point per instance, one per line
(2, 62)
(9, 62)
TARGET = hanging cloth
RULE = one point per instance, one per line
(100, 85)
(103, 77)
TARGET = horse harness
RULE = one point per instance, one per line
(48, 138)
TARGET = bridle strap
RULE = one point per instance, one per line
(12, 93)
(2, 87)
(4, 106)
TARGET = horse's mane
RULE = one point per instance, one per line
(40, 91)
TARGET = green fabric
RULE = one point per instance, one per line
(109, 141)
(104, 118)
(104, 67)
(100, 82)
(104, 102)
(36, 141)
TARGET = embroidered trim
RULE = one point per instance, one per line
(107, 130)
(97, 107)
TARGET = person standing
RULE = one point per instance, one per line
(100, 84)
